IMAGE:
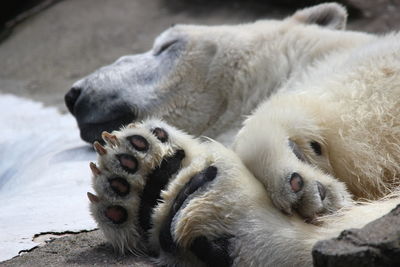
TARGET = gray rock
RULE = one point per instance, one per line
(84, 249)
(377, 244)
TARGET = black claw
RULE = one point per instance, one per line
(212, 253)
(161, 134)
(128, 163)
(117, 214)
(321, 190)
(120, 186)
(138, 142)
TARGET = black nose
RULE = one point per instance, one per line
(71, 97)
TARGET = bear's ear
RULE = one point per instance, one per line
(330, 15)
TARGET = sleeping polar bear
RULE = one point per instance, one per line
(205, 79)
(324, 139)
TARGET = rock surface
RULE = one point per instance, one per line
(85, 249)
(377, 244)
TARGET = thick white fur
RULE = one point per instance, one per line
(342, 91)
(236, 203)
(215, 75)
(349, 103)
(253, 61)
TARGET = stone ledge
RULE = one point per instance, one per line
(377, 244)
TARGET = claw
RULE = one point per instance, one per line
(99, 148)
(110, 138)
(94, 169)
(93, 198)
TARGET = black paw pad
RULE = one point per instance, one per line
(161, 134)
(138, 142)
(116, 214)
(296, 182)
(156, 182)
(321, 190)
(128, 162)
(120, 186)
(212, 252)
(196, 182)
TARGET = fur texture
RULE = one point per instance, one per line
(235, 204)
(348, 105)
(326, 137)
(205, 79)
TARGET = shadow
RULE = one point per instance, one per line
(103, 254)
(81, 153)
(13, 12)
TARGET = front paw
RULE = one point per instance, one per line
(134, 167)
(308, 196)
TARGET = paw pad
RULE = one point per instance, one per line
(120, 186)
(117, 214)
(135, 165)
(161, 134)
(138, 142)
(128, 163)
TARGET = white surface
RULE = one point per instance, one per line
(44, 174)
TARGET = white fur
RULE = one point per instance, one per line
(339, 89)
(348, 103)
(253, 61)
(213, 76)
(234, 204)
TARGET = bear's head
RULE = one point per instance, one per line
(194, 77)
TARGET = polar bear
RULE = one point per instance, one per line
(188, 202)
(205, 79)
(328, 134)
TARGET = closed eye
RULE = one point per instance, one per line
(316, 147)
(165, 46)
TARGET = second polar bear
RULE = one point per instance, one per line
(339, 124)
